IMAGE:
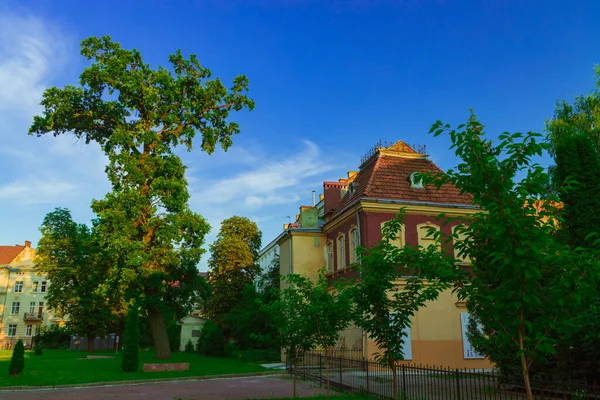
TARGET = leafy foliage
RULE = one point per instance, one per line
(138, 116)
(53, 337)
(17, 361)
(308, 315)
(131, 341)
(68, 253)
(232, 265)
(525, 285)
(38, 351)
(211, 341)
(189, 347)
(394, 283)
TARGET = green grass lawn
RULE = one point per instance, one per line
(62, 367)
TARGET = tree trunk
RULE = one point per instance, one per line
(90, 343)
(394, 380)
(524, 367)
(160, 339)
(327, 371)
(294, 374)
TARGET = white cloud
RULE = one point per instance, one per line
(273, 181)
(31, 191)
(31, 53)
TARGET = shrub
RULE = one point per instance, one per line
(174, 334)
(53, 337)
(211, 341)
(131, 341)
(189, 347)
(38, 351)
(17, 361)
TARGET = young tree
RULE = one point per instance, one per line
(139, 115)
(68, 254)
(232, 265)
(394, 284)
(524, 284)
(131, 342)
(308, 315)
(17, 361)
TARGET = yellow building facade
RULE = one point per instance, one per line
(23, 308)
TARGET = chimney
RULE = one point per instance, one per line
(27, 243)
(314, 198)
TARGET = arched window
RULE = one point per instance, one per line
(353, 244)
(341, 252)
(426, 239)
(400, 237)
(329, 256)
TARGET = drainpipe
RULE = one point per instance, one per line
(290, 268)
(364, 334)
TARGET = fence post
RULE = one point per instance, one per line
(367, 372)
(405, 395)
(457, 384)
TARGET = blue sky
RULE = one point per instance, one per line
(329, 78)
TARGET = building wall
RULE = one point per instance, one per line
(437, 336)
(187, 327)
(23, 272)
(307, 253)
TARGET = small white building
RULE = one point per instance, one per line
(191, 325)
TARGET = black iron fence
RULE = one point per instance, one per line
(418, 382)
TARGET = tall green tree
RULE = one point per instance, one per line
(525, 285)
(394, 284)
(69, 256)
(232, 264)
(130, 361)
(139, 116)
(582, 117)
(17, 361)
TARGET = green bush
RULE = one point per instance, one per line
(189, 347)
(131, 341)
(255, 355)
(174, 334)
(53, 337)
(38, 351)
(211, 341)
(17, 361)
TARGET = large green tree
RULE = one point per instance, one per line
(525, 285)
(139, 115)
(69, 256)
(232, 264)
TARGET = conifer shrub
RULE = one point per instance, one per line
(211, 341)
(131, 341)
(189, 347)
(17, 361)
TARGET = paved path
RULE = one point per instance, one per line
(215, 389)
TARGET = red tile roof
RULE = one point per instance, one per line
(8, 253)
(386, 175)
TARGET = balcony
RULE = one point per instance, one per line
(32, 317)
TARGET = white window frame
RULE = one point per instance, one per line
(36, 286)
(32, 307)
(328, 249)
(12, 330)
(44, 287)
(18, 286)
(469, 353)
(28, 330)
(16, 305)
(416, 183)
(40, 309)
(407, 344)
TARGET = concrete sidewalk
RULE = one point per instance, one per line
(214, 389)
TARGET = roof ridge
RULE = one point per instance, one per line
(371, 177)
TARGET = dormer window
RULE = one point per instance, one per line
(416, 180)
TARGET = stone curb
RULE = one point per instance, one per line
(135, 382)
